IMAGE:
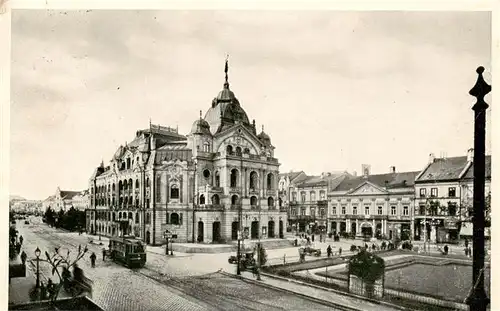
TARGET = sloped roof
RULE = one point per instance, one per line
(394, 180)
(292, 175)
(68, 195)
(315, 181)
(444, 169)
(487, 172)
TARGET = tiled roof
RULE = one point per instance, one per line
(312, 181)
(394, 180)
(68, 195)
(173, 152)
(444, 169)
(291, 175)
(487, 172)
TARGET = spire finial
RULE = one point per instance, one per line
(150, 123)
(480, 89)
(262, 127)
(226, 69)
(200, 114)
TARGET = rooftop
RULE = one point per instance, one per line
(389, 180)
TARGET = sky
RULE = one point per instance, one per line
(333, 89)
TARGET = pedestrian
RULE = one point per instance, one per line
(329, 251)
(23, 257)
(50, 288)
(103, 254)
(43, 291)
(340, 251)
(312, 238)
(92, 260)
(21, 239)
(470, 251)
(466, 250)
(445, 249)
(466, 243)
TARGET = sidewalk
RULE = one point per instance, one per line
(320, 293)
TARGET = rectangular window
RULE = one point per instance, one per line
(422, 192)
(303, 196)
(380, 210)
(302, 211)
(343, 210)
(322, 195)
(313, 212)
(434, 192)
(294, 196)
(322, 212)
(313, 196)
(334, 210)
(294, 212)
(405, 211)
(367, 210)
(354, 210)
(452, 192)
(393, 210)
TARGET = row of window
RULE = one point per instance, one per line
(452, 192)
(172, 218)
(312, 196)
(343, 211)
(122, 185)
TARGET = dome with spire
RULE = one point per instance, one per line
(200, 126)
(226, 110)
(264, 138)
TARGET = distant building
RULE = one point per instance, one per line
(27, 206)
(378, 205)
(444, 191)
(309, 202)
(81, 201)
(287, 182)
(61, 200)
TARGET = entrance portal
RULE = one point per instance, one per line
(234, 230)
(353, 228)
(216, 232)
(201, 229)
(366, 230)
(281, 229)
(254, 231)
(270, 229)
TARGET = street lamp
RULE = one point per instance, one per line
(37, 254)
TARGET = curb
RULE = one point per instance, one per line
(317, 300)
(383, 303)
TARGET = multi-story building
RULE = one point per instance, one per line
(309, 203)
(81, 201)
(378, 205)
(207, 186)
(27, 206)
(443, 193)
(288, 182)
(61, 200)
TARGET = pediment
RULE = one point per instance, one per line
(367, 188)
(238, 136)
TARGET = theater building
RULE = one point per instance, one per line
(204, 187)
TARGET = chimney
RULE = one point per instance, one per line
(354, 173)
(431, 158)
(392, 169)
(365, 168)
(470, 155)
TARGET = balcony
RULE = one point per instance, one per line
(293, 203)
(210, 207)
(270, 192)
(254, 191)
(235, 207)
(322, 202)
(235, 189)
(217, 189)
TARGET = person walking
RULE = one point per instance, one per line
(340, 251)
(103, 254)
(23, 257)
(329, 251)
(92, 260)
(21, 239)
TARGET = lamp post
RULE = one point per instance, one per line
(167, 235)
(478, 299)
(258, 247)
(37, 254)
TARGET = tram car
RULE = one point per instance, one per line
(128, 251)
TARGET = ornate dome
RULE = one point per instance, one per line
(264, 138)
(200, 126)
(226, 95)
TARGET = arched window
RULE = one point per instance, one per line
(215, 199)
(238, 151)
(120, 215)
(253, 180)
(234, 178)
(280, 202)
(113, 187)
(128, 163)
(217, 179)
(270, 181)
(234, 199)
(130, 184)
(125, 185)
(202, 199)
(247, 151)
(130, 215)
(137, 183)
(174, 192)
(174, 219)
(253, 201)
(229, 149)
(313, 196)
(270, 202)
(206, 173)
(137, 202)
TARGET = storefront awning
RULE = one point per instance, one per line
(466, 229)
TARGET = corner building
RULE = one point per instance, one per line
(204, 187)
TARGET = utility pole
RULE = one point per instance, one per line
(478, 301)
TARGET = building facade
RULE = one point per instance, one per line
(309, 202)
(61, 200)
(287, 182)
(213, 185)
(27, 206)
(81, 201)
(443, 192)
(378, 205)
